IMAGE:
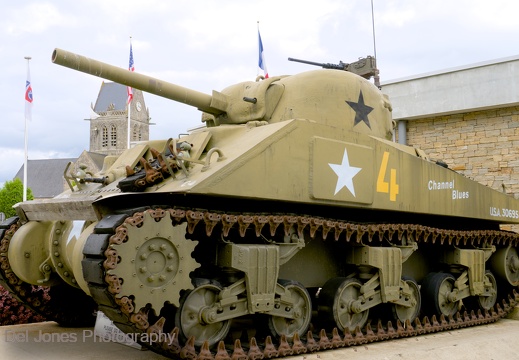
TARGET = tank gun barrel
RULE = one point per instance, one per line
(202, 101)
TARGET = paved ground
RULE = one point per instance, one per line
(46, 341)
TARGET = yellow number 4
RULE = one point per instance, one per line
(382, 185)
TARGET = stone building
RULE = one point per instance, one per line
(466, 116)
(109, 121)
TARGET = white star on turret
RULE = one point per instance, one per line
(345, 174)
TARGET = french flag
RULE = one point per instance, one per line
(28, 96)
(261, 61)
(28, 91)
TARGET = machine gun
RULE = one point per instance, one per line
(340, 66)
(365, 67)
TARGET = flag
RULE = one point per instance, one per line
(28, 95)
(130, 68)
(261, 61)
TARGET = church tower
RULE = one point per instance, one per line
(109, 120)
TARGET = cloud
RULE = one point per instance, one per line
(35, 18)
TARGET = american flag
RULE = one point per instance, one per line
(130, 68)
(261, 61)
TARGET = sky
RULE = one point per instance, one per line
(206, 45)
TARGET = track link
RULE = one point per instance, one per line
(62, 303)
(130, 320)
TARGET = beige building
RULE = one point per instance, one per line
(466, 116)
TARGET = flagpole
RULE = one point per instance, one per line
(28, 58)
(129, 103)
(129, 123)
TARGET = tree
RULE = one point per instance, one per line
(11, 194)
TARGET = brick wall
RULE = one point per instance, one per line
(482, 145)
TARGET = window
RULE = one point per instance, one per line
(113, 134)
(105, 137)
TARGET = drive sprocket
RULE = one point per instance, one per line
(154, 260)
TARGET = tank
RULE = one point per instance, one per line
(289, 223)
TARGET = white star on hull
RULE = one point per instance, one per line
(345, 174)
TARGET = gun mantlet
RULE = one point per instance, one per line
(230, 106)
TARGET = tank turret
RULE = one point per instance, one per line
(323, 96)
(291, 211)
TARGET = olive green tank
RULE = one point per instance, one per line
(289, 223)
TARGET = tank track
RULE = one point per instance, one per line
(64, 304)
(135, 321)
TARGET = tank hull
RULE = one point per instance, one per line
(304, 164)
